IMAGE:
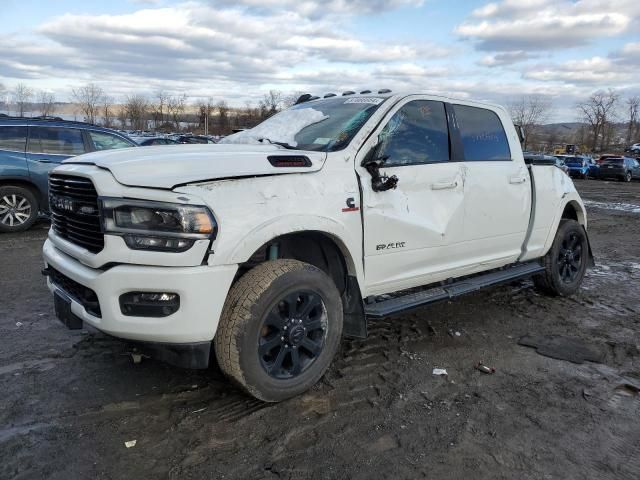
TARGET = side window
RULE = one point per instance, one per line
(482, 133)
(13, 138)
(416, 134)
(58, 141)
(106, 141)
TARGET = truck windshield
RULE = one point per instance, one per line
(324, 125)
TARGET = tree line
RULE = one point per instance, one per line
(160, 111)
(608, 121)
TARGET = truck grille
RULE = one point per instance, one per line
(74, 211)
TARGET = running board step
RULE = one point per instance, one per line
(410, 301)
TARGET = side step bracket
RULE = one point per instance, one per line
(404, 303)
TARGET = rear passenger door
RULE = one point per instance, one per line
(13, 163)
(497, 190)
(107, 141)
(47, 148)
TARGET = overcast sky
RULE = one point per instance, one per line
(239, 49)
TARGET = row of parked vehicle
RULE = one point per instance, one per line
(608, 166)
(31, 147)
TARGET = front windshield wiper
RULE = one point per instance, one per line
(282, 144)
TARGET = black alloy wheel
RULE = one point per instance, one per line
(570, 258)
(292, 335)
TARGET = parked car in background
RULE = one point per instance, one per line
(541, 158)
(635, 148)
(561, 165)
(579, 165)
(29, 149)
(146, 142)
(193, 139)
(621, 168)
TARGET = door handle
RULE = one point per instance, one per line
(517, 180)
(45, 160)
(443, 185)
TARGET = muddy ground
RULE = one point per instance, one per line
(70, 400)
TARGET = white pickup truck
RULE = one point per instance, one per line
(268, 248)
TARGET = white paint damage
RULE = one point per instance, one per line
(169, 165)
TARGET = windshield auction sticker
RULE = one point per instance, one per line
(369, 100)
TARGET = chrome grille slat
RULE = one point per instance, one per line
(84, 230)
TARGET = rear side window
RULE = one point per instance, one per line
(106, 141)
(57, 141)
(416, 134)
(13, 138)
(483, 136)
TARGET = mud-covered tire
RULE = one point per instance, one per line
(18, 208)
(259, 311)
(566, 262)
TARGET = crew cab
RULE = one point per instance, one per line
(267, 248)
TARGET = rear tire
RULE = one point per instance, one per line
(566, 262)
(279, 329)
(18, 209)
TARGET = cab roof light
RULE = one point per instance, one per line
(384, 90)
(365, 91)
(329, 95)
(348, 92)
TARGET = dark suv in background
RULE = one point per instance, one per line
(622, 168)
(29, 149)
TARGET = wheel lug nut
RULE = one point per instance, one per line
(282, 338)
(299, 321)
(285, 327)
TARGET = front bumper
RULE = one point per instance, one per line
(202, 289)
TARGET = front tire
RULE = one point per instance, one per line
(18, 209)
(628, 177)
(279, 329)
(566, 262)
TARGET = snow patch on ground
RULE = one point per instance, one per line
(621, 207)
(282, 127)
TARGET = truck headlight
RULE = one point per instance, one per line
(158, 226)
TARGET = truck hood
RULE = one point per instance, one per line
(168, 166)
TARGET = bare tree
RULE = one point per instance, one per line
(270, 103)
(598, 111)
(89, 98)
(175, 107)
(633, 104)
(108, 111)
(529, 112)
(46, 103)
(21, 97)
(223, 117)
(160, 108)
(136, 108)
(122, 116)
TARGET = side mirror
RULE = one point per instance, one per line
(373, 161)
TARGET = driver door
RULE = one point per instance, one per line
(410, 231)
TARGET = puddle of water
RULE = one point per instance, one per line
(620, 207)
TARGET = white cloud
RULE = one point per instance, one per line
(547, 25)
